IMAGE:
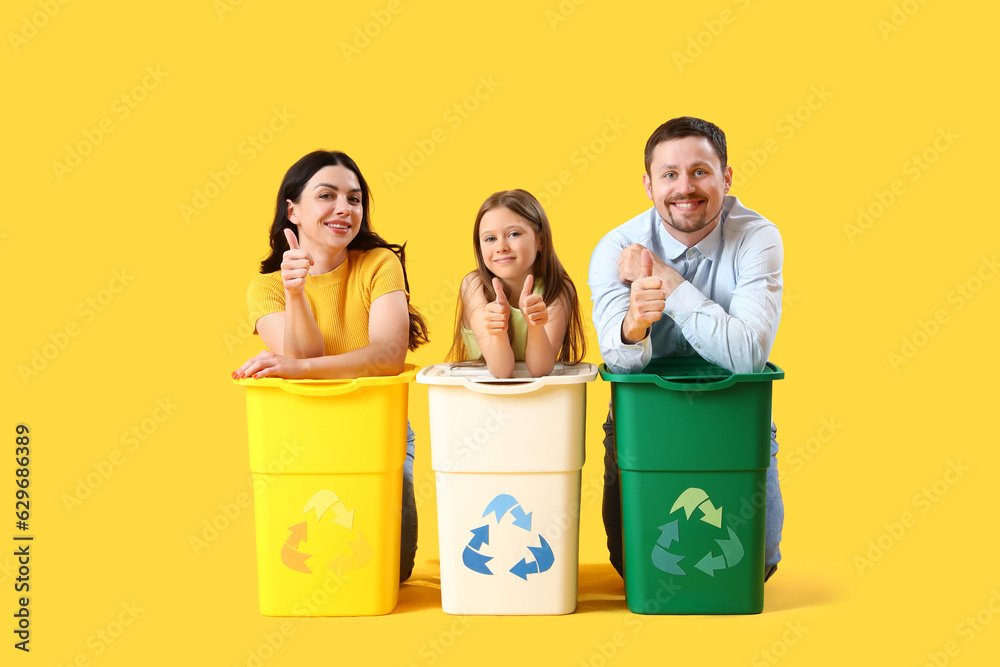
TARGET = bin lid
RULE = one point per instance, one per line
(331, 387)
(691, 374)
(472, 375)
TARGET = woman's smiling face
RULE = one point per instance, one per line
(329, 212)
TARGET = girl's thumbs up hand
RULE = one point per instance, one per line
(536, 313)
(497, 313)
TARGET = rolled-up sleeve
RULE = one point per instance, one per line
(611, 301)
(740, 339)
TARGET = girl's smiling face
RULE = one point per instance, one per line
(508, 244)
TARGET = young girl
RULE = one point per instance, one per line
(333, 297)
(519, 304)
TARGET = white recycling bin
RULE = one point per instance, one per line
(507, 456)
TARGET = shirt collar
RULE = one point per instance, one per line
(675, 250)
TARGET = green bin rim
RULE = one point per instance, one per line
(680, 371)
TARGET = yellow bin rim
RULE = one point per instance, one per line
(331, 387)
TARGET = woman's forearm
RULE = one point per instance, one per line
(373, 360)
(302, 338)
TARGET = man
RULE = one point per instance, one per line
(697, 274)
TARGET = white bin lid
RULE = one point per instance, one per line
(478, 378)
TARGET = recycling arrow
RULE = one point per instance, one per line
(732, 548)
(689, 500)
(668, 534)
(324, 500)
(500, 505)
(709, 564)
(544, 558)
(476, 561)
(666, 561)
(362, 550)
(321, 502)
(343, 516)
(712, 515)
(289, 556)
(480, 536)
(521, 520)
(299, 533)
(692, 499)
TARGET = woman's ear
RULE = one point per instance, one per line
(293, 214)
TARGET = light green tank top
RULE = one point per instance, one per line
(517, 324)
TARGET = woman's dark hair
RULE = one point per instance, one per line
(291, 190)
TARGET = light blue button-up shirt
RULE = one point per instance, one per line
(726, 311)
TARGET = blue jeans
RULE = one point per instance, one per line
(408, 519)
(612, 507)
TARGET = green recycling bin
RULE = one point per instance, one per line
(693, 447)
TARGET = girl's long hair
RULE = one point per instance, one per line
(291, 189)
(547, 269)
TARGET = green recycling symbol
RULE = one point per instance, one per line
(690, 500)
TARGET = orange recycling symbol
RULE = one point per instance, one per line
(332, 530)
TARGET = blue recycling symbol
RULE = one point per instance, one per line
(499, 506)
(690, 500)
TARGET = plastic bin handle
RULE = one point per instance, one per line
(502, 389)
(333, 388)
(695, 386)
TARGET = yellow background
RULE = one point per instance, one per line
(825, 108)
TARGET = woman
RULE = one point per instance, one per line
(333, 297)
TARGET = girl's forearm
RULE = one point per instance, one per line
(539, 355)
(499, 356)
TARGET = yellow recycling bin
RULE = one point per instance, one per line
(327, 459)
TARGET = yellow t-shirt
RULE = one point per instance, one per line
(518, 326)
(340, 300)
